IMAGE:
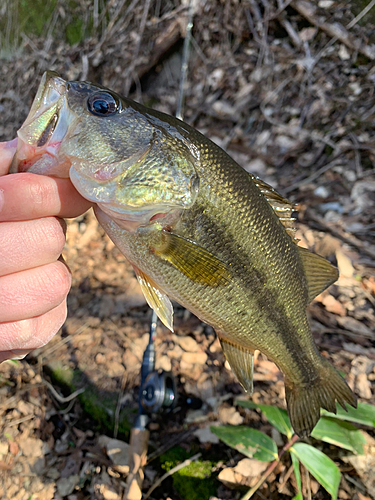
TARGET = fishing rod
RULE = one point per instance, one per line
(156, 393)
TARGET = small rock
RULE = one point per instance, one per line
(117, 451)
(53, 473)
(195, 416)
(363, 386)
(31, 447)
(115, 369)
(65, 486)
(250, 467)
(344, 264)
(333, 305)
(188, 344)
(199, 358)
(206, 436)
(4, 448)
(163, 363)
(229, 477)
(108, 492)
(230, 416)
(13, 448)
(176, 352)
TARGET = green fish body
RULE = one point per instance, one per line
(197, 229)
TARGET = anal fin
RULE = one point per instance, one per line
(156, 298)
(241, 361)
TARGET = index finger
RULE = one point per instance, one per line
(28, 196)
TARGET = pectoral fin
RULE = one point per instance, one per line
(156, 298)
(241, 361)
(320, 273)
(192, 260)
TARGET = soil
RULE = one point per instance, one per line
(293, 102)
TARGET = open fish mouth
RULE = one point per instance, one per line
(45, 127)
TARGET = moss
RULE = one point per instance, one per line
(193, 482)
(36, 17)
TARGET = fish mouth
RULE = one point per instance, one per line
(45, 127)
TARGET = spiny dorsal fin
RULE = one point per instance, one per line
(282, 207)
(320, 273)
(241, 361)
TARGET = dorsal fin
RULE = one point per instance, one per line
(320, 273)
(282, 207)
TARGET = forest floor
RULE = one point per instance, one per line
(288, 91)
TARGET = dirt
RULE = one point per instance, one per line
(292, 105)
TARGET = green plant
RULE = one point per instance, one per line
(333, 429)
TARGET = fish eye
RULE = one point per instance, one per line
(103, 104)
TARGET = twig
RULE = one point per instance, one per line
(308, 485)
(185, 60)
(327, 166)
(20, 420)
(361, 14)
(286, 477)
(342, 235)
(270, 468)
(170, 473)
(336, 31)
(62, 399)
(118, 406)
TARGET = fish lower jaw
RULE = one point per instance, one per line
(131, 220)
(43, 161)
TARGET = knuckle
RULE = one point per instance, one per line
(53, 231)
(32, 333)
(60, 279)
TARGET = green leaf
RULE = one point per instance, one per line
(339, 433)
(250, 442)
(364, 414)
(275, 415)
(298, 497)
(297, 474)
(320, 466)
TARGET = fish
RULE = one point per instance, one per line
(196, 227)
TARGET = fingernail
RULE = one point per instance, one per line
(1, 199)
(19, 353)
(15, 354)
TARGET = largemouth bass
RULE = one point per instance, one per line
(197, 229)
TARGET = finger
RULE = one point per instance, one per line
(29, 196)
(28, 244)
(33, 292)
(7, 150)
(19, 337)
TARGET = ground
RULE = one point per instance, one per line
(288, 90)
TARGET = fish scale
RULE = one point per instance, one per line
(196, 227)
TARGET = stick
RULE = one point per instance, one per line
(336, 31)
(270, 468)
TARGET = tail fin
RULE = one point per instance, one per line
(304, 401)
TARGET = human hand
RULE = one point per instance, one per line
(34, 281)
